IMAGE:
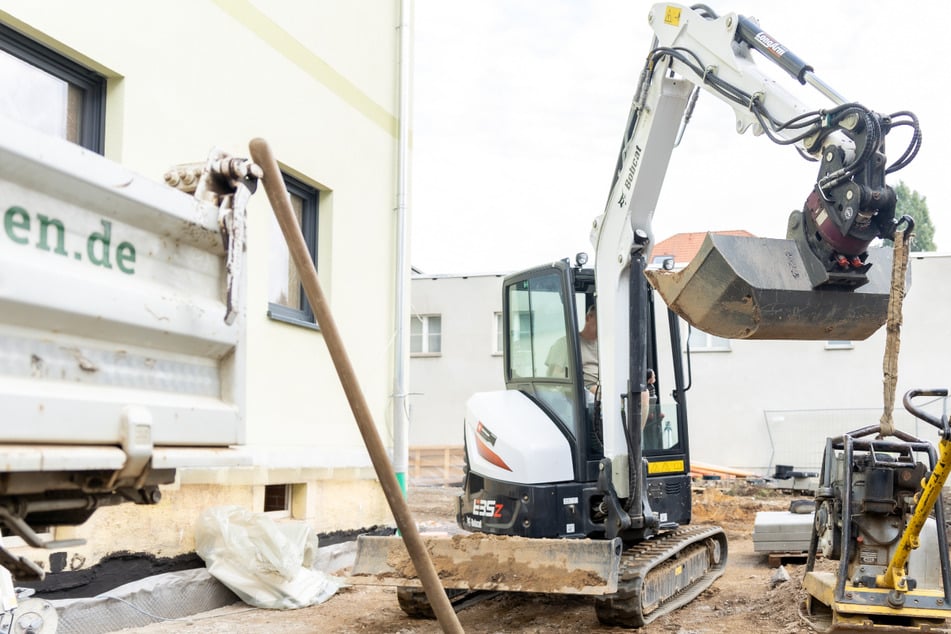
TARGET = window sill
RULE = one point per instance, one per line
(285, 315)
(425, 354)
(278, 515)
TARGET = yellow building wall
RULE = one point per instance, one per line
(328, 500)
(319, 81)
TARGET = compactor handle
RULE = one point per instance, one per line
(940, 423)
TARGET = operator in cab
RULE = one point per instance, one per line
(557, 360)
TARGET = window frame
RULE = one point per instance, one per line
(310, 217)
(498, 334)
(712, 343)
(839, 344)
(283, 490)
(92, 123)
(424, 336)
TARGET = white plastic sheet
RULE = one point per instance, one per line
(267, 564)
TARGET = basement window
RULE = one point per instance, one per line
(277, 499)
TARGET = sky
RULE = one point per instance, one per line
(519, 108)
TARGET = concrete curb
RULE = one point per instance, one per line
(170, 596)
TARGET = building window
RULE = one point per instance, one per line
(51, 93)
(277, 499)
(839, 344)
(425, 335)
(497, 334)
(700, 341)
(286, 299)
(522, 321)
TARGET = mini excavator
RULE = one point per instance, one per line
(572, 491)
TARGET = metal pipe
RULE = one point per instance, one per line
(401, 358)
(825, 89)
(281, 204)
(772, 49)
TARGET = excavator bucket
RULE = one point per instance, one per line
(480, 561)
(759, 288)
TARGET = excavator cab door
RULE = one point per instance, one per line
(542, 313)
(664, 436)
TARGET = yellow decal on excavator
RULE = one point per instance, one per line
(672, 16)
(666, 466)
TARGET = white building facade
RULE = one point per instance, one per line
(751, 404)
(455, 350)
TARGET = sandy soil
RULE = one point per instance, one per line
(742, 600)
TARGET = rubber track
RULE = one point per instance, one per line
(414, 603)
(643, 572)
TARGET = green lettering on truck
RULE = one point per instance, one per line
(16, 218)
(51, 238)
(45, 224)
(103, 239)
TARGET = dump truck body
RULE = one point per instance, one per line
(121, 333)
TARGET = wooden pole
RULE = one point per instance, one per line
(281, 204)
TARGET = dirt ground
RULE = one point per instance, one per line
(742, 600)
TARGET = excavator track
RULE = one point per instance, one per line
(414, 602)
(662, 574)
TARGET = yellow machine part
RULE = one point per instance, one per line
(870, 609)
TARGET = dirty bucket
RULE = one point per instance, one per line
(759, 288)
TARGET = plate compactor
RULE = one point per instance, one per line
(879, 514)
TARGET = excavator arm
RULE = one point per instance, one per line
(824, 281)
(845, 138)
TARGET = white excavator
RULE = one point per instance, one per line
(574, 490)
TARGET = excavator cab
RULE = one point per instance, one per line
(544, 309)
(556, 451)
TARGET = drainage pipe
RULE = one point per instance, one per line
(401, 358)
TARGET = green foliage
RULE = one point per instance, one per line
(912, 204)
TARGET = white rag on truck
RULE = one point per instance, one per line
(266, 563)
